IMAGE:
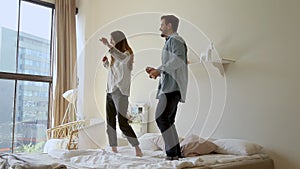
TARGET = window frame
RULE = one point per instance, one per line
(31, 77)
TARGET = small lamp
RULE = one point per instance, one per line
(71, 97)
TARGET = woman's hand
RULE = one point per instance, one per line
(104, 59)
(105, 42)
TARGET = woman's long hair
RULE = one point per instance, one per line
(122, 45)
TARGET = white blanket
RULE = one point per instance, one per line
(124, 159)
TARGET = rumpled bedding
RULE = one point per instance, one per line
(104, 158)
(124, 159)
(28, 161)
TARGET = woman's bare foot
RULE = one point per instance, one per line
(138, 151)
(114, 149)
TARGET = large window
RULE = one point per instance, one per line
(25, 74)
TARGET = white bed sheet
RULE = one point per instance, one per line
(125, 159)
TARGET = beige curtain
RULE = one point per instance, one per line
(65, 77)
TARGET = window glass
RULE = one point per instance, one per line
(8, 34)
(31, 116)
(35, 36)
(6, 112)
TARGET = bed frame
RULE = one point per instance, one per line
(251, 164)
(68, 131)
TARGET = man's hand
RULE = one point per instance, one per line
(153, 73)
(148, 69)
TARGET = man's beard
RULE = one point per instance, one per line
(163, 35)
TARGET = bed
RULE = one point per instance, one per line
(199, 154)
(103, 158)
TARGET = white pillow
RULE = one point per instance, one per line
(147, 141)
(150, 135)
(159, 142)
(122, 141)
(237, 146)
(56, 144)
(189, 139)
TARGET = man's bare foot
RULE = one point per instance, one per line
(114, 149)
(138, 151)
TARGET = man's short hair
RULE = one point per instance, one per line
(171, 19)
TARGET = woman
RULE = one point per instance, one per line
(118, 89)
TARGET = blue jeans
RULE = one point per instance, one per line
(165, 118)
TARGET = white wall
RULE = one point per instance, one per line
(261, 90)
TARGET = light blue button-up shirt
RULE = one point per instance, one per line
(174, 70)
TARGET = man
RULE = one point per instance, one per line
(172, 86)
